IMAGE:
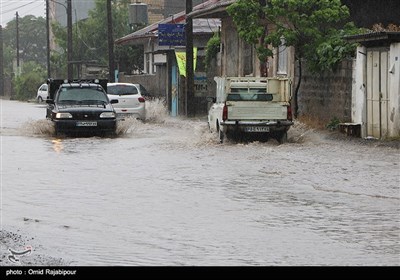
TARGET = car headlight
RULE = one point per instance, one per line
(107, 115)
(63, 116)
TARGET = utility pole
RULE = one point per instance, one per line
(190, 106)
(111, 66)
(17, 42)
(70, 73)
(48, 38)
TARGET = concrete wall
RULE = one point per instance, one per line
(154, 85)
(230, 49)
(327, 95)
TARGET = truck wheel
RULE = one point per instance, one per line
(221, 135)
(209, 127)
(282, 137)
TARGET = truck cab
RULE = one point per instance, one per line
(246, 106)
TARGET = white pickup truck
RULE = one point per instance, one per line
(246, 106)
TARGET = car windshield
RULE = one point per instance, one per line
(122, 90)
(246, 94)
(85, 95)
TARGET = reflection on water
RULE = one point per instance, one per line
(57, 145)
(164, 192)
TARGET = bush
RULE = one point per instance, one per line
(26, 86)
(333, 124)
(213, 47)
(28, 82)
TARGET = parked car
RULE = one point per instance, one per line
(80, 107)
(42, 93)
(131, 100)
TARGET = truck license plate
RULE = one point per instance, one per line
(256, 129)
(86, 124)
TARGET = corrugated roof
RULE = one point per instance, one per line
(374, 37)
(211, 9)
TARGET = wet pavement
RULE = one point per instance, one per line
(165, 192)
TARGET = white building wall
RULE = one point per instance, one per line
(358, 110)
(359, 94)
(394, 91)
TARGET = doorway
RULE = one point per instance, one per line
(377, 92)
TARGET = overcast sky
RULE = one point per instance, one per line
(8, 8)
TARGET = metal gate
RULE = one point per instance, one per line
(377, 93)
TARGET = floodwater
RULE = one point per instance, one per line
(165, 192)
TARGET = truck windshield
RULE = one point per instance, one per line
(249, 94)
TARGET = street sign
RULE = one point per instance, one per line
(171, 35)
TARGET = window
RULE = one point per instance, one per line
(249, 94)
(122, 90)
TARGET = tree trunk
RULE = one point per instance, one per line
(295, 96)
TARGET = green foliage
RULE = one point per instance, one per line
(26, 85)
(213, 47)
(32, 41)
(315, 28)
(333, 124)
(90, 39)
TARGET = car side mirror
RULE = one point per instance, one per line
(113, 101)
(211, 99)
(49, 101)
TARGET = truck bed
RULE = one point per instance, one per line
(248, 110)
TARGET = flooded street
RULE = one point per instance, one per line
(165, 192)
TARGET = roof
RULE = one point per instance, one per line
(200, 26)
(212, 10)
(375, 38)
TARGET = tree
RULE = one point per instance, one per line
(32, 54)
(32, 41)
(90, 38)
(315, 28)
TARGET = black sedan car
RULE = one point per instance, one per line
(80, 107)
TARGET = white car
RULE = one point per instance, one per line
(131, 102)
(42, 93)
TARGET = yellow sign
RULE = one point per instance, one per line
(181, 60)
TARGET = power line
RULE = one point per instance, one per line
(16, 8)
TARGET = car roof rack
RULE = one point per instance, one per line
(54, 84)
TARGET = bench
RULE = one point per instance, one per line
(350, 129)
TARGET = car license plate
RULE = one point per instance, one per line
(256, 129)
(86, 124)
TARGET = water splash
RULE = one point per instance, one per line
(38, 127)
(127, 125)
(156, 111)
